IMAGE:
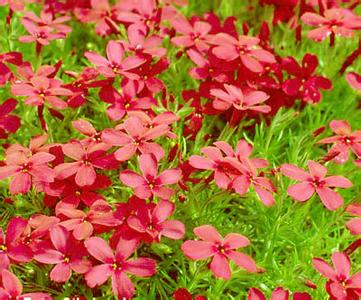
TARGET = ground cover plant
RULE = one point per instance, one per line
(174, 149)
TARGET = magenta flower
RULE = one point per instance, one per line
(193, 35)
(278, 294)
(246, 48)
(354, 225)
(354, 80)
(13, 289)
(233, 96)
(340, 284)
(117, 265)
(15, 58)
(305, 84)
(343, 141)
(41, 90)
(336, 21)
(150, 183)
(137, 137)
(25, 170)
(67, 255)
(82, 223)
(8, 122)
(115, 64)
(213, 245)
(86, 160)
(315, 181)
(154, 222)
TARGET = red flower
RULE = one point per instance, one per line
(67, 255)
(305, 85)
(40, 90)
(136, 138)
(229, 48)
(14, 58)
(195, 34)
(94, 137)
(8, 123)
(354, 80)
(25, 169)
(340, 285)
(354, 225)
(315, 181)
(86, 159)
(114, 64)
(81, 223)
(233, 96)
(153, 222)
(116, 265)
(336, 21)
(213, 245)
(343, 141)
(150, 184)
(183, 294)
(12, 289)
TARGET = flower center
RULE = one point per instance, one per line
(66, 259)
(3, 248)
(25, 168)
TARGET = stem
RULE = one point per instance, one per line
(41, 118)
(351, 58)
(332, 39)
(350, 249)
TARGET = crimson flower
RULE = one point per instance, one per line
(150, 183)
(354, 80)
(315, 181)
(305, 85)
(8, 123)
(183, 294)
(213, 245)
(154, 222)
(67, 255)
(86, 159)
(10, 248)
(25, 169)
(335, 21)
(117, 265)
(40, 90)
(12, 289)
(233, 96)
(193, 35)
(82, 223)
(246, 48)
(115, 64)
(354, 225)
(136, 137)
(14, 58)
(340, 284)
(278, 294)
(343, 141)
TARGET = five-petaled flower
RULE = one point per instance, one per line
(315, 181)
(221, 249)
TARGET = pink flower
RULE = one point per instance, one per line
(343, 141)
(246, 48)
(336, 21)
(67, 255)
(8, 123)
(12, 289)
(82, 223)
(213, 245)
(115, 64)
(354, 225)
(150, 183)
(354, 80)
(154, 222)
(41, 90)
(117, 265)
(15, 58)
(137, 137)
(25, 169)
(305, 84)
(233, 96)
(315, 181)
(192, 34)
(86, 159)
(278, 294)
(340, 285)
